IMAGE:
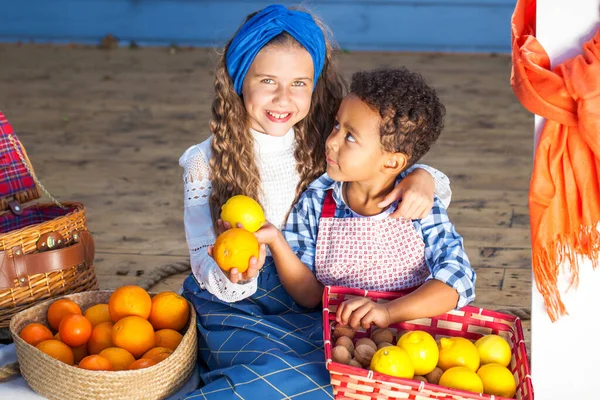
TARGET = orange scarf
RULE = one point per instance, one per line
(564, 194)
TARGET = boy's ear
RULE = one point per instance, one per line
(395, 163)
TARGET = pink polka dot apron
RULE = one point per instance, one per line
(364, 253)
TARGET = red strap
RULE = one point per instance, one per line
(328, 205)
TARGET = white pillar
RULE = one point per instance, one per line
(565, 354)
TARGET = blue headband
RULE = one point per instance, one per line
(263, 27)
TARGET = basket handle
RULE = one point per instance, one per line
(20, 265)
(25, 160)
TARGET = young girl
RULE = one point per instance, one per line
(276, 95)
(336, 233)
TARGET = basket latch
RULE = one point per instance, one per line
(20, 265)
(15, 207)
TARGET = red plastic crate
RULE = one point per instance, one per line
(470, 322)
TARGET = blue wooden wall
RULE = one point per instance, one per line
(411, 25)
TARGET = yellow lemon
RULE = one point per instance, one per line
(422, 350)
(497, 380)
(245, 210)
(394, 361)
(461, 378)
(458, 352)
(493, 349)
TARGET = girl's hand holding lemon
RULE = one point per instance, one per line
(236, 250)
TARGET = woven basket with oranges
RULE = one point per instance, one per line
(107, 344)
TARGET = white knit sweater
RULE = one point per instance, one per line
(279, 178)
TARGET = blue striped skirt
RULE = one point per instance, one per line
(263, 347)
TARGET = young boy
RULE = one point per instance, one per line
(339, 236)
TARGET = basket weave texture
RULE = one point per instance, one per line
(471, 323)
(22, 231)
(57, 380)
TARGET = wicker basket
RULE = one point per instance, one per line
(42, 251)
(57, 380)
(472, 323)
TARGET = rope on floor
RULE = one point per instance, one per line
(162, 272)
(524, 313)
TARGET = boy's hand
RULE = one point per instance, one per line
(361, 311)
(254, 266)
(416, 193)
(268, 234)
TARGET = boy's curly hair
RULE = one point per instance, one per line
(411, 112)
(232, 164)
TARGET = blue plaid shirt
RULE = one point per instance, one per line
(444, 253)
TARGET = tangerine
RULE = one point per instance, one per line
(97, 314)
(60, 309)
(158, 353)
(129, 300)
(118, 357)
(35, 333)
(169, 311)
(133, 334)
(75, 330)
(142, 363)
(234, 248)
(80, 352)
(57, 349)
(101, 338)
(168, 338)
(96, 362)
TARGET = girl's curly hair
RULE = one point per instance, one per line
(232, 164)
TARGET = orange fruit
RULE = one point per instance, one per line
(75, 330)
(101, 338)
(119, 358)
(158, 353)
(133, 334)
(234, 248)
(35, 333)
(96, 363)
(59, 309)
(129, 300)
(169, 311)
(168, 338)
(142, 363)
(243, 210)
(57, 349)
(97, 314)
(80, 352)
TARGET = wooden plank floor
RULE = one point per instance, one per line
(107, 128)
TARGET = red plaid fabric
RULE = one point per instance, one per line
(31, 216)
(362, 253)
(14, 177)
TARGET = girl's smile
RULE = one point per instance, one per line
(278, 117)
